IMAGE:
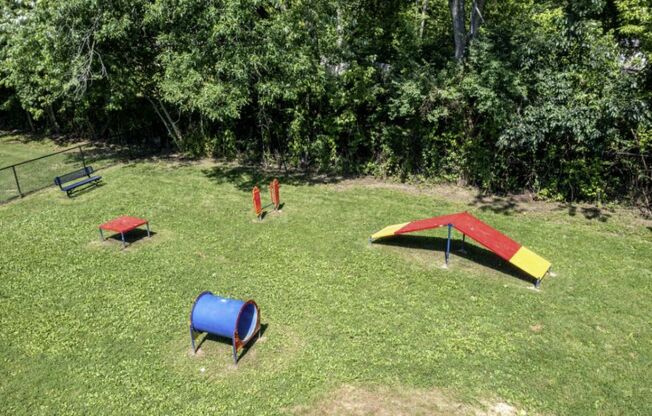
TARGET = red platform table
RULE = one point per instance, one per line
(122, 225)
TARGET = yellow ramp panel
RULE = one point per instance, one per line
(530, 262)
(388, 231)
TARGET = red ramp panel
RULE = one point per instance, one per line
(494, 240)
(488, 236)
(428, 223)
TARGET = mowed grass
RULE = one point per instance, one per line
(89, 328)
(15, 148)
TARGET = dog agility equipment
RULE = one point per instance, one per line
(122, 225)
(484, 234)
(274, 194)
(228, 318)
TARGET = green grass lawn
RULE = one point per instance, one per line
(89, 328)
(16, 148)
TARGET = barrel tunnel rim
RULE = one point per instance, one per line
(192, 310)
(253, 327)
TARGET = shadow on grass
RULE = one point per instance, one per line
(130, 236)
(87, 188)
(471, 252)
(28, 137)
(506, 205)
(590, 213)
(244, 178)
(229, 342)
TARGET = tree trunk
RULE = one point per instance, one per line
(459, 27)
(424, 11)
(29, 121)
(170, 126)
(53, 119)
(476, 17)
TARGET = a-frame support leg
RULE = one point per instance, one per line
(448, 243)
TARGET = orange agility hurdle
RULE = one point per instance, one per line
(274, 193)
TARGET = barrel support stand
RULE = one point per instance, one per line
(192, 339)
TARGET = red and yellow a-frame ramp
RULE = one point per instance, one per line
(494, 240)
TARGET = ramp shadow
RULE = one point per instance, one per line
(472, 252)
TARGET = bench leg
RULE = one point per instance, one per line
(123, 240)
(148, 234)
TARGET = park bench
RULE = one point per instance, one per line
(85, 173)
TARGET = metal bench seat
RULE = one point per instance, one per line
(72, 176)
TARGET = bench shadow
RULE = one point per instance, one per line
(130, 236)
(228, 341)
(86, 188)
(471, 252)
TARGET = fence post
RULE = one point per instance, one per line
(81, 152)
(13, 168)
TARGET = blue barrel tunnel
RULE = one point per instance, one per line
(229, 318)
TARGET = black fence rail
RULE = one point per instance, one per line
(25, 177)
(28, 176)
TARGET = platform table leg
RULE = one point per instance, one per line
(124, 245)
(148, 234)
(101, 235)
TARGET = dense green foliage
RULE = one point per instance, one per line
(89, 328)
(552, 96)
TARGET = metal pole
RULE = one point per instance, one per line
(13, 168)
(192, 340)
(448, 242)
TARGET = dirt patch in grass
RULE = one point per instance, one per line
(500, 204)
(536, 328)
(383, 401)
